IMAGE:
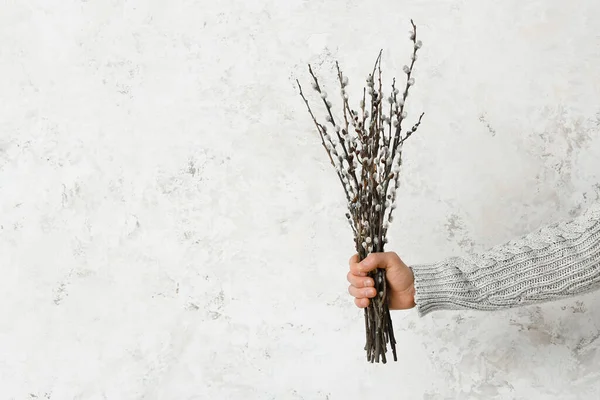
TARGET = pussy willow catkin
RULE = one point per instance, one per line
(365, 149)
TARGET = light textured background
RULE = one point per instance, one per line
(170, 227)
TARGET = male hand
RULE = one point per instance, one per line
(400, 280)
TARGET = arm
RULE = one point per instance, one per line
(557, 261)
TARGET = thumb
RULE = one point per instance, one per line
(375, 260)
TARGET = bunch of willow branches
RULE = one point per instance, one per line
(365, 148)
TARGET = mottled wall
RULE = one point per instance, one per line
(170, 227)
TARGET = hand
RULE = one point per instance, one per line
(400, 280)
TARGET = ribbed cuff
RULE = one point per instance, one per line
(440, 287)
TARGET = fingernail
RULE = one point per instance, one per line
(370, 292)
(368, 282)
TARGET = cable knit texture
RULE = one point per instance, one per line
(557, 261)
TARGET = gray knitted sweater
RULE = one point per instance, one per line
(557, 261)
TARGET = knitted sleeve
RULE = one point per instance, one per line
(557, 261)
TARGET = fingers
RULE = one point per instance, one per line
(376, 260)
(362, 303)
(361, 285)
(354, 266)
(361, 293)
(354, 260)
(359, 281)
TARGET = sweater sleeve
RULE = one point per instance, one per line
(556, 261)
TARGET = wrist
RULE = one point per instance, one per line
(411, 288)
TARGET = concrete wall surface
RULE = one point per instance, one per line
(171, 228)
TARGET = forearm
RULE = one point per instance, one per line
(557, 261)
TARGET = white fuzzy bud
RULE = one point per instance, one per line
(419, 44)
(387, 203)
(401, 102)
(368, 240)
(328, 119)
(364, 245)
(378, 208)
(314, 86)
(345, 81)
(413, 56)
(404, 114)
(328, 103)
(411, 81)
(323, 95)
(406, 69)
(366, 114)
(376, 241)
